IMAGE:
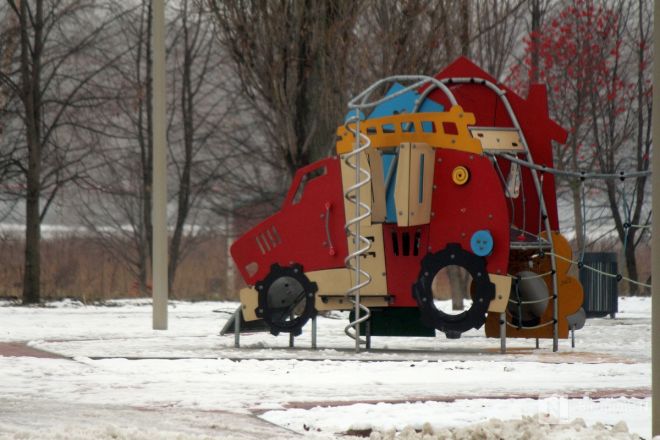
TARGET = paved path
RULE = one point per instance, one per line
(54, 420)
(20, 349)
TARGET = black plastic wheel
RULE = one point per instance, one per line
(286, 299)
(484, 291)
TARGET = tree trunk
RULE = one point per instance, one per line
(465, 28)
(148, 148)
(143, 272)
(145, 140)
(631, 266)
(31, 275)
(458, 282)
(31, 97)
(579, 220)
(536, 28)
(183, 199)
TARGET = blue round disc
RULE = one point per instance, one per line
(482, 243)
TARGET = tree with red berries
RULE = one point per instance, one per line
(594, 59)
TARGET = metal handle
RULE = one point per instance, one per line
(328, 205)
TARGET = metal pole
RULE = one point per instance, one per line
(159, 184)
(237, 328)
(367, 329)
(314, 333)
(357, 231)
(503, 333)
(655, 238)
(572, 336)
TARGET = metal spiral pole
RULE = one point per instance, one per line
(352, 227)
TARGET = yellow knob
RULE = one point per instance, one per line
(460, 175)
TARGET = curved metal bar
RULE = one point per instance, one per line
(576, 174)
(361, 100)
(530, 327)
(536, 301)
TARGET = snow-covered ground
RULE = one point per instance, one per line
(120, 379)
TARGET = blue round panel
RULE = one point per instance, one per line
(482, 243)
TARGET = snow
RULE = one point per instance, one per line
(462, 413)
(118, 369)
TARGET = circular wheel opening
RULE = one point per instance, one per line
(453, 323)
(451, 289)
(286, 299)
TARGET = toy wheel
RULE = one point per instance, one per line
(482, 294)
(286, 299)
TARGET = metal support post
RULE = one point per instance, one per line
(367, 329)
(573, 336)
(314, 333)
(291, 336)
(159, 184)
(537, 342)
(357, 231)
(503, 333)
(237, 328)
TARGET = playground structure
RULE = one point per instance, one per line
(445, 171)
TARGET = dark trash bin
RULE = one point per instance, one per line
(600, 291)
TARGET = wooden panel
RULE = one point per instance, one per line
(341, 303)
(331, 281)
(402, 185)
(249, 303)
(373, 262)
(502, 292)
(420, 188)
(499, 140)
(335, 283)
(378, 209)
(391, 131)
(348, 180)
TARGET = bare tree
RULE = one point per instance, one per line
(203, 111)
(595, 59)
(621, 124)
(51, 81)
(497, 26)
(291, 59)
(404, 37)
(117, 198)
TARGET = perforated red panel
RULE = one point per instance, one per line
(458, 211)
(404, 250)
(309, 229)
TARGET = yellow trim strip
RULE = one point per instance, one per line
(389, 131)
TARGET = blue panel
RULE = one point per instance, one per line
(390, 212)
